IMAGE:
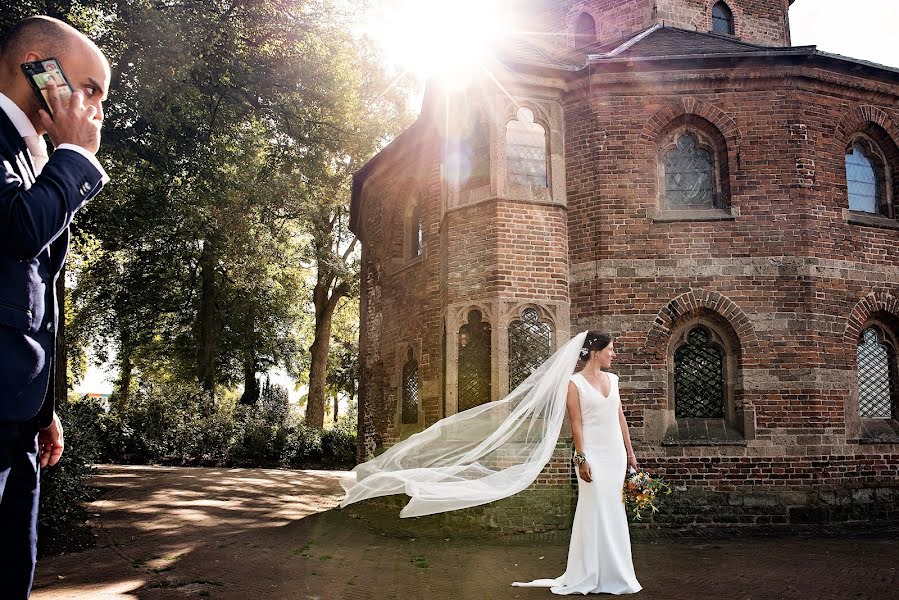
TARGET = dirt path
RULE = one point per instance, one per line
(253, 534)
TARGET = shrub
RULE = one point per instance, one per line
(65, 487)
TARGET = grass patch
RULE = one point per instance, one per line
(420, 561)
(305, 548)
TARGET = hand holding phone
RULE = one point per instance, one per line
(40, 73)
(64, 116)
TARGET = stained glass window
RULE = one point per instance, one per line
(526, 150)
(865, 178)
(474, 362)
(699, 378)
(877, 378)
(530, 344)
(411, 387)
(689, 175)
(722, 19)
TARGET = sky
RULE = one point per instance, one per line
(865, 29)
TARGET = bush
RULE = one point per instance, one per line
(64, 487)
(182, 427)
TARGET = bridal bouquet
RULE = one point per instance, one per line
(641, 491)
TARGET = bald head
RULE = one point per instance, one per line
(44, 35)
(39, 38)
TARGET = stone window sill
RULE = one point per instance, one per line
(400, 265)
(878, 431)
(707, 214)
(702, 432)
(872, 220)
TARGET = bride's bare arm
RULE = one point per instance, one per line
(573, 403)
(631, 458)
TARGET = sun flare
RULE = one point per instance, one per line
(431, 38)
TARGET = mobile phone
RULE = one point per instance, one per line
(39, 73)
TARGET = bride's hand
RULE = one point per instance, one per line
(632, 462)
(585, 472)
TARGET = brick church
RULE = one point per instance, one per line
(676, 173)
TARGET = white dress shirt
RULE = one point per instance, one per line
(25, 128)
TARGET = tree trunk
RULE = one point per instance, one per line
(250, 383)
(336, 396)
(207, 337)
(318, 369)
(61, 373)
(126, 366)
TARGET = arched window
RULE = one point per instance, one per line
(584, 31)
(530, 344)
(474, 362)
(690, 173)
(699, 376)
(410, 390)
(866, 179)
(416, 230)
(877, 374)
(475, 143)
(722, 19)
(526, 150)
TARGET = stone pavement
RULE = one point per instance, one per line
(254, 534)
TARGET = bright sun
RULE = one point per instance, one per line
(438, 38)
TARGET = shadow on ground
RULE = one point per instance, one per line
(167, 532)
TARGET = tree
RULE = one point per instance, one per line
(334, 247)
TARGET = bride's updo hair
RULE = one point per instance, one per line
(595, 340)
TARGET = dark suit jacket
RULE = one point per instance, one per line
(34, 239)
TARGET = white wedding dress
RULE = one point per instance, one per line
(599, 556)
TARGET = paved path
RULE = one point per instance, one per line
(251, 534)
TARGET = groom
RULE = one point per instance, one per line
(39, 195)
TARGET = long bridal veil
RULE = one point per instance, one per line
(489, 452)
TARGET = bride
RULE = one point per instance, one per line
(497, 449)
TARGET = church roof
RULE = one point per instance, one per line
(664, 41)
(518, 50)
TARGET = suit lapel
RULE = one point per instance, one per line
(15, 152)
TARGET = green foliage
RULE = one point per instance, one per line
(64, 487)
(176, 426)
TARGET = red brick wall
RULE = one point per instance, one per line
(788, 273)
(790, 263)
(758, 21)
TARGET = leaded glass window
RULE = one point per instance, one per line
(877, 378)
(530, 344)
(699, 377)
(689, 175)
(584, 31)
(865, 178)
(410, 389)
(722, 19)
(474, 362)
(526, 150)
(476, 151)
(416, 231)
